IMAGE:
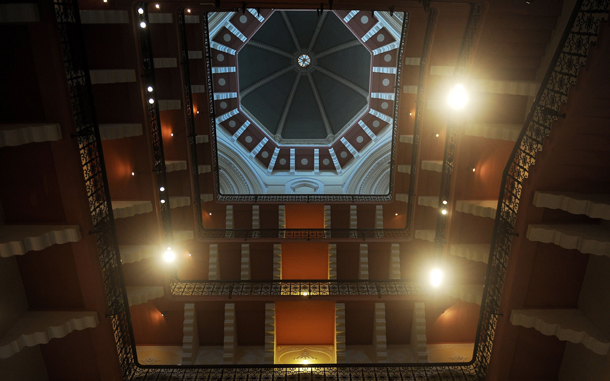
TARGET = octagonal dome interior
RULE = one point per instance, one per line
(305, 103)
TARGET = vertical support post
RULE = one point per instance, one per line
(281, 222)
(214, 265)
(395, 261)
(245, 261)
(363, 272)
(277, 261)
(190, 339)
(418, 334)
(340, 333)
(332, 261)
(269, 333)
(379, 334)
(229, 217)
(230, 339)
(327, 224)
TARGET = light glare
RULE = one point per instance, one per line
(436, 277)
(169, 255)
(458, 97)
(142, 25)
(141, 11)
(150, 89)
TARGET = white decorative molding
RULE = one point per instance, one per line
(38, 327)
(202, 168)
(378, 216)
(481, 208)
(230, 335)
(120, 131)
(402, 197)
(281, 218)
(432, 165)
(419, 340)
(277, 261)
(169, 104)
(183, 235)
(200, 139)
(327, 222)
(379, 334)
(588, 239)
(567, 325)
(12, 135)
(12, 12)
(103, 77)
(190, 338)
(245, 262)
(340, 333)
(395, 261)
(20, 239)
(142, 294)
(503, 131)
(165, 62)
(136, 253)
(426, 235)
(104, 17)
(125, 209)
(229, 217)
(527, 88)
(363, 262)
(269, 333)
(332, 261)
(160, 18)
(431, 201)
(175, 165)
(213, 263)
(466, 293)
(256, 217)
(592, 205)
(472, 252)
(403, 169)
(179, 201)
(353, 216)
(206, 197)
(406, 139)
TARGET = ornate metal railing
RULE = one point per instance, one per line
(461, 68)
(420, 108)
(292, 198)
(580, 34)
(296, 288)
(96, 182)
(154, 121)
(191, 134)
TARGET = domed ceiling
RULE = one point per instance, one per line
(304, 78)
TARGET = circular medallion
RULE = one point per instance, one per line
(304, 60)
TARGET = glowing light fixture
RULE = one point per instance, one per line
(410, 113)
(436, 277)
(189, 10)
(162, 201)
(444, 212)
(474, 169)
(395, 214)
(444, 202)
(157, 6)
(141, 11)
(210, 213)
(169, 255)
(437, 135)
(142, 25)
(150, 89)
(151, 101)
(305, 293)
(172, 134)
(458, 97)
(197, 111)
(162, 189)
(133, 173)
(190, 255)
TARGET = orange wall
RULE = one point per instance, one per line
(305, 216)
(304, 260)
(307, 323)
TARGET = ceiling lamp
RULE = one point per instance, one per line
(169, 255)
(458, 97)
(436, 277)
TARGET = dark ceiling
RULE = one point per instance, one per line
(307, 103)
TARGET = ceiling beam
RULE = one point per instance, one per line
(316, 94)
(264, 81)
(295, 40)
(270, 48)
(343, 81)
(287, 105)
(316, 31)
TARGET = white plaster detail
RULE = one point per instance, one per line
(214, 264)
(259, 147)
(125, 209)
(39, 327)
(256, 217)
(269, 333)
(20, 239)
(200, 139)
(241, 130)
(472, 252)
(501, 131)
(245, 262)
(371, 32)
(136, 253)
(410, 89)
(381, 116)
(191, 19)
(226, 69)
(379, 334)
(18, 134)
(104, 17)
(432, 165)
(292, 161)
(203, 168)
(179, 201)
(229, 217)
(403, 197)
(594, 206)
(353, 216)
(333, 156)
(190, 338)
(566, 325)
(222, 48)
(385, 70)
(277, 261)
(350, 147)
(175, 165)
(165, 62)
(431, 201)
(395, 261)
(425, 235)
(403, 168)
(169, 104)
(419, 339)
(363, 262)
(196, 55)
(206, 197)
(255, 13)
(588, 239)
(412, 61)
(229, 95)
(230, 335)
(378, 216)
(394, 45)
(316, 160)
(406, 139)
(102, 77)
(140, 295)
(350, 16)
(120, 131)
(236, 32)
(340, 333)
(276, 152)
(332, 261)
(481, 208)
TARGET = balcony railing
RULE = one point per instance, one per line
(580, 35)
